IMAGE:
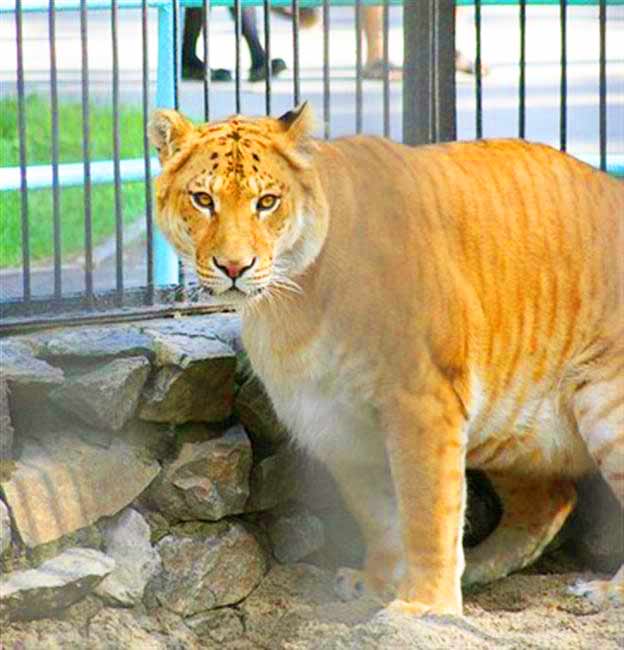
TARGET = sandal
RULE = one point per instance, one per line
(376, 70)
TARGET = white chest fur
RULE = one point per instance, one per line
(322, 395)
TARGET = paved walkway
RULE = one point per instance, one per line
(500, 89)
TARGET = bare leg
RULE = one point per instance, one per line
(372, 26)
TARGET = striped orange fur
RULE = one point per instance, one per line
(413, 312)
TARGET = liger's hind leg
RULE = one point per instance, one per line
(599, 411)
(533, 513)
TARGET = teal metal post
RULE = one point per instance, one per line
(165, 259)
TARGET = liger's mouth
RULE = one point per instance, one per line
(231, 293)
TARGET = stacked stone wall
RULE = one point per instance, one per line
(149, 493)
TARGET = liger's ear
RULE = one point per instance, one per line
(166, 129)
(298, 123)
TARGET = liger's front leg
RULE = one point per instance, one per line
(427, 457)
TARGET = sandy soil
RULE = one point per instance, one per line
(295, 608)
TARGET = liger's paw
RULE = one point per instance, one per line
(603, 593)
(349, 584)
(415, 608)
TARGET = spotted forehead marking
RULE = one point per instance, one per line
(235, 161)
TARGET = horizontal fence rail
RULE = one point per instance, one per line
(428, 99)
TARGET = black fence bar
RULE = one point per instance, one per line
(176, 68)
(86, 153)
(149, 218)
(102, 309)
(386, 73)
(433, 88)
(522, 78)
(296, 60)
(119, 274)
(54, 154)
(417, 69)
(478, 72)
(326, 71)
(206, 44)
(563, 108)
(358, 66)
(444, 71)
(21, 119)
(267, 58)
(237, 59)
(602, 127)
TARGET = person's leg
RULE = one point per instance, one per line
(192, 28)
(192, 65)
(372, 25)
(372, 18)
(249, 30)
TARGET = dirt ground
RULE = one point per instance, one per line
(295, 608)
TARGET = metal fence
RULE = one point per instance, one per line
(421, 108)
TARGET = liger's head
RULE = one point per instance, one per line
(238, 200)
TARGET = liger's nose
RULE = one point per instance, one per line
(233, 268)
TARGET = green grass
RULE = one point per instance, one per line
(38, 151)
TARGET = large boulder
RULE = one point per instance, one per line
(106, 397)
(20, 367)
(127, 541)
(207, 566)
(87, 344)
(194, 384)
(6, 425)
(55, 584)
(5, 528)
(597, 526)
(295, 533)
(209, 478)
(274, 480)
(61, 484)
(255, 411)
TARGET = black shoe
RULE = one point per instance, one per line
(259, 72)
(195, 71)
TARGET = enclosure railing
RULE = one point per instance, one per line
(429, 99)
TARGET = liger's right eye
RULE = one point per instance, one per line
(203, 201)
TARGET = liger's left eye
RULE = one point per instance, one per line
(267, 202)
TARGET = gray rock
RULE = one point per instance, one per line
(273, 481)
(207, 566)
(20, 367)
(55, 584)
(597, 526)
(182, 350)
(61, 484)
(97, 343)
(5, 528)
(295, 533)
(200, 390)
(255, 411)
(108, 396)
(47, 634)
(127, 541)
(208, 480)
(221, 625)
(117, 629)
(218, 327)
(6, 426)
